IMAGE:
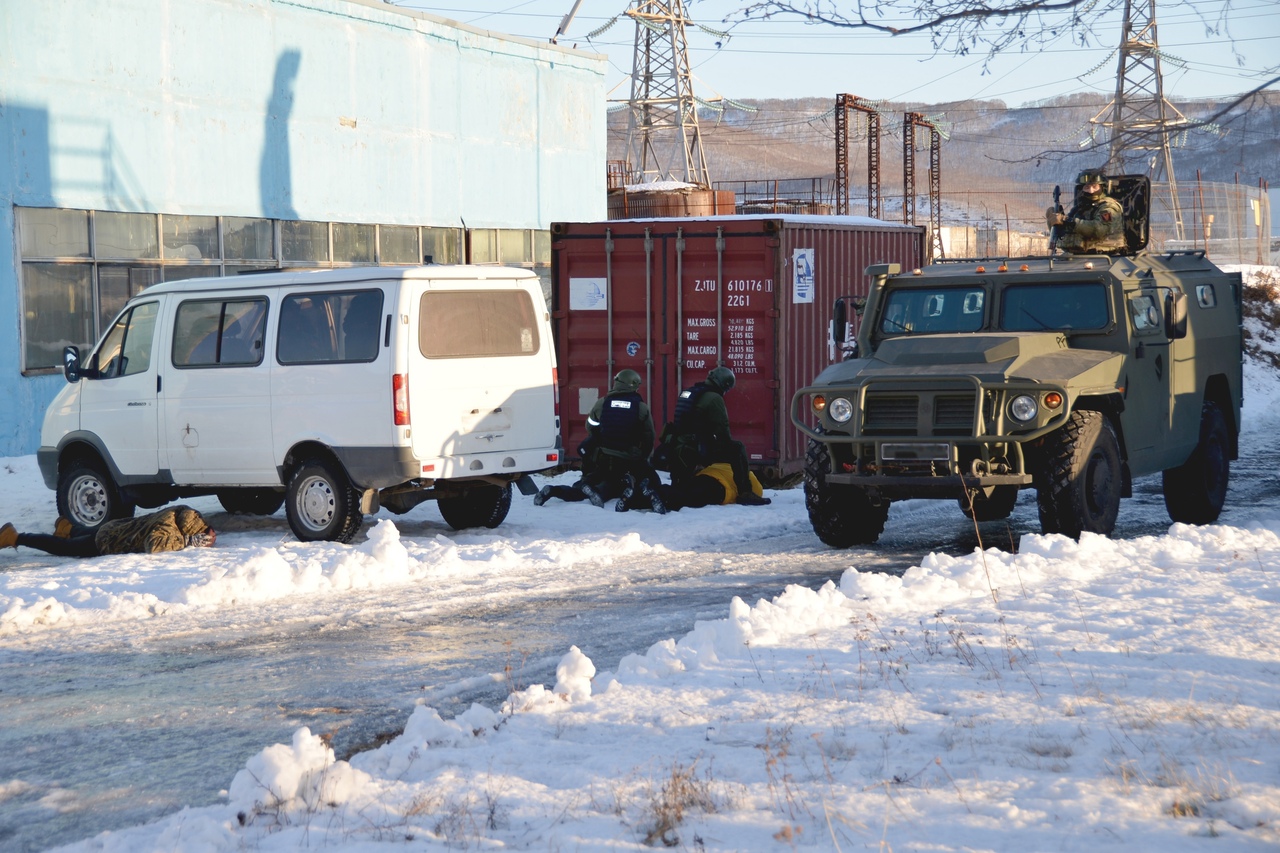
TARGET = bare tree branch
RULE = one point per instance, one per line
(962, 27)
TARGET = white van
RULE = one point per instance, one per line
(334, 392)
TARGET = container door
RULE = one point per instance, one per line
(610, 316)
(726, 307)
(120, 404)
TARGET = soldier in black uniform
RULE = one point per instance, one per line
(699, 436)
(615, 456)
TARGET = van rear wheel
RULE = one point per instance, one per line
(321, 503)
(480, 506)
(88, 497)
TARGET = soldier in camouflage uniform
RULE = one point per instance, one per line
(1096, 221)
(170, 529)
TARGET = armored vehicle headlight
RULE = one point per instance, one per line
(1023, 407)
(840, 410)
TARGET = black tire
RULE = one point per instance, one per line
(88, 497)
(479, 506)
(1079, 488)
(1195, 491)
(842, 516)
(251, 501)
(994, 508)
(321, 503)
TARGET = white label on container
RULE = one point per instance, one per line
(801, 275)
(587, 400)
(588, 294)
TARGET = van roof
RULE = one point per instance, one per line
(345, 275)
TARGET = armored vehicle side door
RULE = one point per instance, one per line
(1147, 381)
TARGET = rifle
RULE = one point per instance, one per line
(1057, 208)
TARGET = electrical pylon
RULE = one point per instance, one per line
(663, 140)
(1141, 119)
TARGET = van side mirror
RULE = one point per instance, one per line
(1175, 315)
(71, 363)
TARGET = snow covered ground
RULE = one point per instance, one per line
(1072, 696)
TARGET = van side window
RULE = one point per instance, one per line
(477, 323)
(318, 328)
(126, 349)
(219, 333)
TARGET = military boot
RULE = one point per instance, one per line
(752, 499)
(543, 495)
(8, 536)
(595, 497)
(628, 494)
(650, 491)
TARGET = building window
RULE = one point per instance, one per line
(80, 267)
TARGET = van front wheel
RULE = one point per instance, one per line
(482, 506)
(88, 497)
(321, 503)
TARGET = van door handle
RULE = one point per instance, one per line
(157, 383)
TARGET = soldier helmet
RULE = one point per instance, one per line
(627, 380)
(721, 378)
(1091, 176)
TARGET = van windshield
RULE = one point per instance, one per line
(477, 323)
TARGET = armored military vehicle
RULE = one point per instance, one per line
(1068, 374)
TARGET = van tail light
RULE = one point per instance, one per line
(555, 383)
(400, 398)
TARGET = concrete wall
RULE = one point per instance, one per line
(340, 110)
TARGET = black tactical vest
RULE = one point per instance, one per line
(684, 405)
(620, 421)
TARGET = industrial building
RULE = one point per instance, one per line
(153, 140)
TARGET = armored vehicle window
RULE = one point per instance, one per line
(318, 328)
(1205, 296)
(213, 332)
(1144, 311)
(932, 311)
(477, 323)
(1039, 307)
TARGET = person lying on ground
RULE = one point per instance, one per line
(169, 529)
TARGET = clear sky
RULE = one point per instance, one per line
(785, 58)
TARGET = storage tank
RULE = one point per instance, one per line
(673, 298)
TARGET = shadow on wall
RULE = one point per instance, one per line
(27, 129)
(275, 173)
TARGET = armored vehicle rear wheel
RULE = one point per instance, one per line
(481, 506)
(251, 501)
(1195, 491)
(994, 508)
(842, 516)
(321, 503)
(1079, 488)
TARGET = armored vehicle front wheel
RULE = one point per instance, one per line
(88, 497)
(1195, 491)
(321, 504)
(1079, 488)
(842, 516)
(994, 508)
(251, 501)
(480, 506)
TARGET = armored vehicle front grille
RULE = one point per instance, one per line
(890, 414)
(953, 415)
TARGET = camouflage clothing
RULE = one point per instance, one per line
(165, 530)
(1094, 226)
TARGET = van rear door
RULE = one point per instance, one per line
(480, 372)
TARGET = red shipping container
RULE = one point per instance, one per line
(673, 298)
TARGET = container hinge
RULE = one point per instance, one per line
(773, 312)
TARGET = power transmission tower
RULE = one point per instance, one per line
(1141, 119)
(909, 123)
(844, 103)
(663, 140)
